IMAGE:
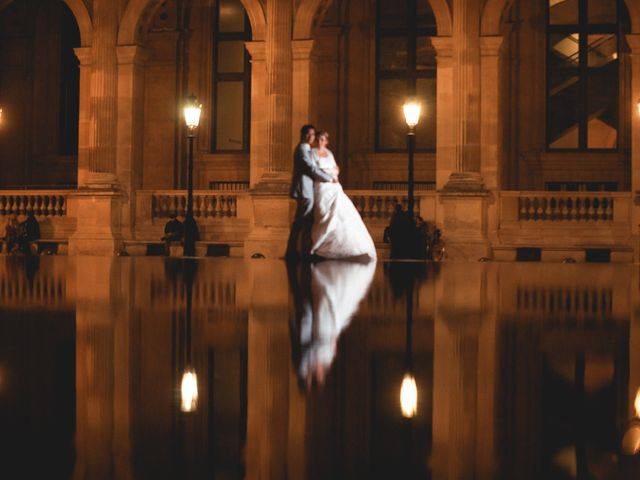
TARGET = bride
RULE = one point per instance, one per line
(338, 231)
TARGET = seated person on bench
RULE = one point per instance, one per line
(173, 233)
(29, 232)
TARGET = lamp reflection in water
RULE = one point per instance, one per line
(409, 389)
(189, 391)
(631, 438)
(189, 382)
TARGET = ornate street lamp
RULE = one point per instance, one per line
(412, 117)
(192, 111)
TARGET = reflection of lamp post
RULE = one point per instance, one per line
(412, 117)
(631, 438)
(409, 389)
(189, 383)
(192, 118)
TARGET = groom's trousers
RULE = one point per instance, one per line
(301, 229)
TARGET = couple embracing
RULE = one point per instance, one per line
(326, 223)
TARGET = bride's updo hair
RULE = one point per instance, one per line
(322, 133)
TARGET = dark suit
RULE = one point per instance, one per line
(305, 172)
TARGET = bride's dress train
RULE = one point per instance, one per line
(338, 230)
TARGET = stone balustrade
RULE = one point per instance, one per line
(43, 203)
(380, 205)
(206, 203)
(575, 207)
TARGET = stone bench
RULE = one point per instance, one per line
(43, 246)
(204, 248)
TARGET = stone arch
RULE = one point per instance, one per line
(309, 11)
(494, 10)
(81, 14)
(139, 12)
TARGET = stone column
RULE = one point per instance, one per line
(131, 59)
(258, 154)
(445, 151)
(85, 57)
(97, 207)
(491, 125)
(466, 97)
(634, 44)
(272, 208)
(102, 102)
(462, 205)
(279, 84)
(303, 87)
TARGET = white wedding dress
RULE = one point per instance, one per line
(338, 230)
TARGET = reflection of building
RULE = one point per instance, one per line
(541, 142)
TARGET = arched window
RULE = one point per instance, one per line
(405, 67)
(583, 45)
(231, 78)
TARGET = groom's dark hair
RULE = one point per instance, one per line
(305, 129)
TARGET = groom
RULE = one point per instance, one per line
(305, 171)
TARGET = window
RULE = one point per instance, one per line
(69, 83)
(582, 74)
(231, 78)
(405, 67)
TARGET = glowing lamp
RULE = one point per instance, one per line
(192, 111)
(409, 396)
(638, 107)
(412, 113)
(189, 391)
(636, 404)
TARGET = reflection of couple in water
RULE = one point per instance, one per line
(326, 295)
(326, 223)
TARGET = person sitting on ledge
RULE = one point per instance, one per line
(173, 233)
(30, 232)
(11, 234)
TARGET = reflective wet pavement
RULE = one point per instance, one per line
(521, 371)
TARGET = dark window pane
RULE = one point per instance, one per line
(231, 16)
(603, 49)
(602, 123)
(426, 129)
(603, 11)
(393, 53)
(562, 111)
(392, 127)
(231, 57)
(229, 116)
(564, 50)
(425, 54)
(393, 13)
(563, 12)
(426, 18)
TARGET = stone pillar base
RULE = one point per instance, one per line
(272, 215)
(460, 182)
(464, 225)
(98, 227)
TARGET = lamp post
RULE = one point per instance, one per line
(192, 111)
(412, 117)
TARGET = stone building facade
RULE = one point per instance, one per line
(529, 139)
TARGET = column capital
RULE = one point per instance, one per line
(301, 49)
(633, 40)
(257, 50)
(491, 45)
(84, 55)
(131, 54)
(443, 46)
